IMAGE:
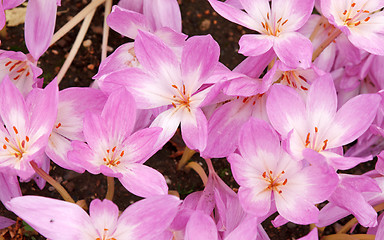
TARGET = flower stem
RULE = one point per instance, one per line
(111, 188)
(353, 221)
(334, 34)
(187, 155)
(52, 181)
(349, 237)
(107, 11)
(76, 45)
(75, 20)
(199, 170)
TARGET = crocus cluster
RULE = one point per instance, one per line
(305, 105)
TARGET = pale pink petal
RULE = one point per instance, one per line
(369, 41)
(200, 56)
(127, 22)
(12, 3)
(234, 14)
(54, 219)
(286, 110)
(147, 219)
(258, 140)
(104, 215)
(200, 226)
(119, 119)
(95, 132)
(247, 229)
(296, 209)
(39, 26)
(297, 11)
(254, 66)
(140, 145)
(353, 119)
(169, 121)
(156, 57)
(163, 13)
(134, 5)
(143, 181)
(194, 129)
(5, 222)
(57, 150)
(255, 44)
(322, 103)
(83, 156)
(293, 49)
(10, 187)
(255, 201)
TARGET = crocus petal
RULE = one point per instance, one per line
(254, 66)
(286, 109)
(322, 102)
(247, 229)
(155, 56)
(40, 22)
(43, 110)
(255, 44)
(119, 119)
(169, 121)
(353, 119)
(5, 222)
(143, 181)
(134, 5)
(194, 129)
(57, 150)
(255, 201)
(200, 226)
(293, 49)
(233, 14)
(297, 11)
(2, 16)
(10, 187)
(258, 139)
(140, 145)
(200, 56)
(127, 22)
(13, 109)
(148, 218)
(83, 156)
(294, 209)
(53, 218)
(163, 13)
(104, 214)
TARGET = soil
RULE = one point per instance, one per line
(198, 19)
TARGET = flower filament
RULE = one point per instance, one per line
(313, 142)
(274, 182)
(105, 236)
(354, 16)
(272, 27)
(17, 69)
(18, 147)
(295, 80)
(112, 157)
(181, 99)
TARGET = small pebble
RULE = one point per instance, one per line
(167, 180)
(91, 66)
(55, 52)
(87, 43)
(205, 25)
(51, 189)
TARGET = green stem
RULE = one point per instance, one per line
(52, 181)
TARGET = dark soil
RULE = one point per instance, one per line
(198, 19)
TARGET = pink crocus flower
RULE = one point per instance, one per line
(183, 86)
(277, 25)
(362, 21)
(147, 219)
(25, 127)
(5, 222)
(73, 104)
(316, 124)
(112, 148)
(268, 175)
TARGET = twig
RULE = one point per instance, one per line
(349, 237)
(52, 181)
(75, 20)
(111, 188)
(76, 45)
(107, 11)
